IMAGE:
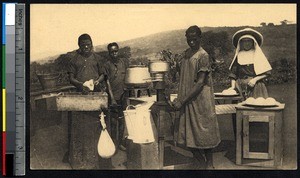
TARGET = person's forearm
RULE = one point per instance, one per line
(100, 78)
(110, 92)
(74, 81)
(260, 77)
(233, 83)
(196, 89)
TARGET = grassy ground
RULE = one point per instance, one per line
(287, 93)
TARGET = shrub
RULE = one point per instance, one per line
(283, 71)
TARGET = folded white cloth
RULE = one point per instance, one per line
(89, 84)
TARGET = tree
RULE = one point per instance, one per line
(284, 22)
(216, 40)
(271, 25)
(263, 24)
(125, 52)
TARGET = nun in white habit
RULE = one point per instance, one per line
(249, 66)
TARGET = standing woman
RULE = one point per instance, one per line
(249, 66)
(198, 126)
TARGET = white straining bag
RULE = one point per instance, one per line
(106, 147)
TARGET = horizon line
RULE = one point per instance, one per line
(60, 53)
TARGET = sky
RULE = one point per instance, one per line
(55, 28)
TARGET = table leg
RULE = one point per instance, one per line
(161, 147)
(69, 120)
(136, 93)
(148, 92)
(233, 117)
(69, 115)
(239, 120)
(176, 126)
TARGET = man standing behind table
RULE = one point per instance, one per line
(198, 125)
(116, 69)
(84, 127)
(86, 65)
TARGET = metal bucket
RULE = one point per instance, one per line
(130, 116)
(138, 123)
(143, 127)
(48, 81)
(137, 75)
(159, 67)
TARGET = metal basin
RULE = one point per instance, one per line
(159, 67)
(137, 75)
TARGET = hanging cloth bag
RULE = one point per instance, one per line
(106, 147)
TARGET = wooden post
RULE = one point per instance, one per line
(161, 148)
(278, 139)
(84, 135)
(239, 138)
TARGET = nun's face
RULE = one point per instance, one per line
(246, 44)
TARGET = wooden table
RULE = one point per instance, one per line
(227, 98)
(269, 121)
(38, 109)
(162, 124)
(166, 133)
(223, 108)
(84, 131)
(83, 127)
(53, 90)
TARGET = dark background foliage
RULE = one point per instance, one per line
(279, 47)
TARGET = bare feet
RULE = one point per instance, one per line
(209, 159)
(209, 166)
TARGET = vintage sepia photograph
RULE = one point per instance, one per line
(163, 86)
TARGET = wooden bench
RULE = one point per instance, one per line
(225, 109)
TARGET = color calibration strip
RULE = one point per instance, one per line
(20, 105)
(8, 88)
(13, 89)
(3, 168)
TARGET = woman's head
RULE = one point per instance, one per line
(246, 44)
(193, 37)
(247, 32)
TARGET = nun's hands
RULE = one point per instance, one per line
(176, 104)
(96, 82)
(252, 82)
(231, 88)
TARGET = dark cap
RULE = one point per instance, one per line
(112, 44)
(193, 29)
(84, 36)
